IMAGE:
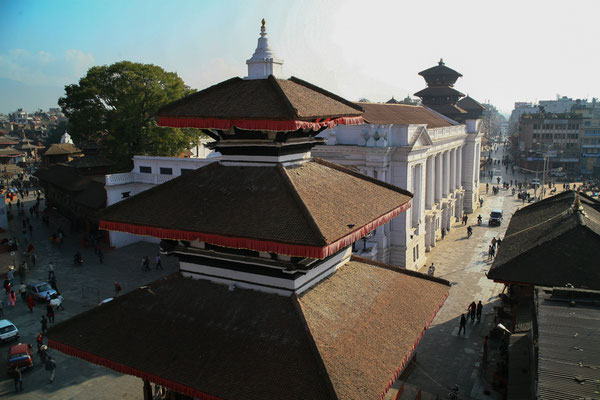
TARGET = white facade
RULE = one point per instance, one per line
(440, 166)
(147, 172)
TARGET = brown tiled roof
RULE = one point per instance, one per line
(547, 244)
(432, 91)
(440, 69)
(343, 339)
(60, 149)
(366, 320)
(377, 113)
(311, 204)
(10, 152)
(277, 99)
(5, 140)
(91, 161)
(447, 109)
(470, 104)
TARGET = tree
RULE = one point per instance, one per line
(56, 133)
(116, 106)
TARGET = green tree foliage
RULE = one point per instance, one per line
(116, 106)
(56, 133)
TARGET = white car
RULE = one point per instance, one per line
(8, 331)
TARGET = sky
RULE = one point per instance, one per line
(507, 50)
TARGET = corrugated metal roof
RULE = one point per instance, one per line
(569, 346)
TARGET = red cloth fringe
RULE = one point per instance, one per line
(294, 250)
(256, 125)
(413, 348)
(94, 359)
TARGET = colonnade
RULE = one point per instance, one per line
(443, 175)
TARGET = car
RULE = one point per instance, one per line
(8, 331)
(40, 290)
(20, 356)
(495, 218)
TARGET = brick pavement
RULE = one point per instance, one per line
(75, 378)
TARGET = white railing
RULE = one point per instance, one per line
(119, 179)
(144, 178)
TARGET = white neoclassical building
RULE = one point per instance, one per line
(418, 149)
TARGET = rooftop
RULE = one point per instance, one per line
(260, 104)
(403, 114)
(312, 209)
(342, 339)
(568, 343)
(552, 243)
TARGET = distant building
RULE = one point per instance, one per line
(590, 139)
(557, 135)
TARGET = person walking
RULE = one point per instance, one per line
(17, 376)
(30, 303)
(443, 233)
(51, 270)
(1, 308)
(143, 264)
(490, 252)
(158, 262)
(44, 323)
(43, 353)
(40, 341)
(479, 311)
(23, 291)
(50, 312)
(117, 289)
(463, 324)
(146, 263)
(12, 298)
(431, 270)
(472, 309)
(100, 256)
(33, 259)
(51, 367)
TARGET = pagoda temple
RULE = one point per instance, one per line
(268, 302)
(440, 95)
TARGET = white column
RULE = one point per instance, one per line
(418, 195)
(459, 166)
(438, 177)
(446, 178)
(429, 189)
(452, 170)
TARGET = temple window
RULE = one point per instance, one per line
(166, 171)
(145, 170)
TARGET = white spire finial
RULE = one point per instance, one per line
(66, 138)
(263, 62)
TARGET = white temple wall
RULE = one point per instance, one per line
(424, 169)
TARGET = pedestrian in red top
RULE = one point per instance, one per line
(30, 303)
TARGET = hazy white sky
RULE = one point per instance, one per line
(506, 50)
